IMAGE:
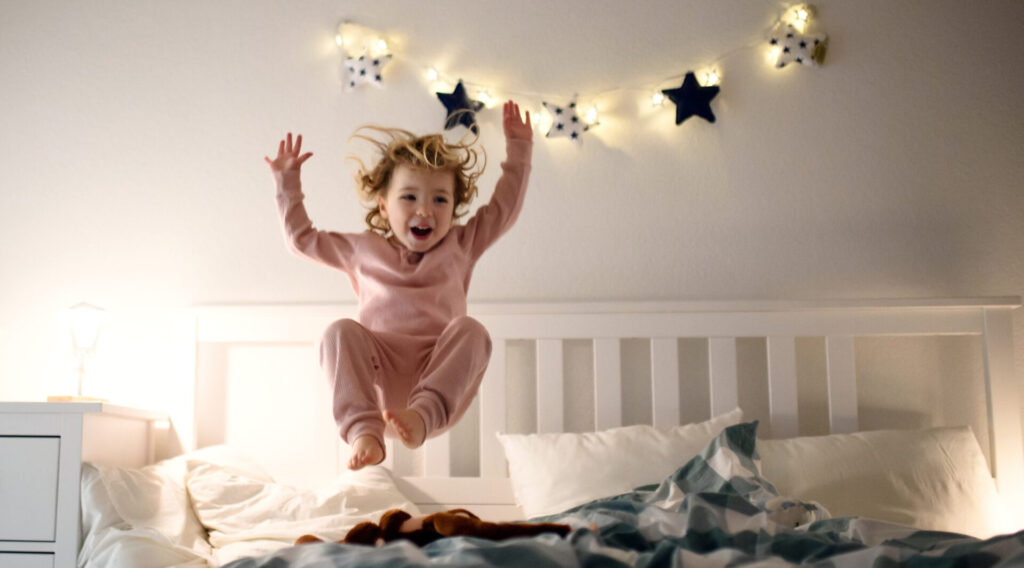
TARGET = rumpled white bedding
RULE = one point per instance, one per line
(242, 511)
(212, 506)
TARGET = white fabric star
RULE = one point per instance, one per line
(566, 122)
(364, 69)
(793, 46)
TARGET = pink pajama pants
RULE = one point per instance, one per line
(371, 371)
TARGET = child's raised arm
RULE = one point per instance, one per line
(516, 128)
(288, 156)
(494, 218)
(332, 249)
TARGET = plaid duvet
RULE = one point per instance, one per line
(716, 510)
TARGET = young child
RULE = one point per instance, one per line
(414, 360)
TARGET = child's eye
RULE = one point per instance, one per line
(408, 197)
(441, 200)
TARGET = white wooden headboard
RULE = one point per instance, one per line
(277, 407)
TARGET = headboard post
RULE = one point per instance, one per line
(1004, 405)
(842, 384)
(184, 358)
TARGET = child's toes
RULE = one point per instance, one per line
(408, 425)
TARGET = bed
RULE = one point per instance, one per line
(634, 423)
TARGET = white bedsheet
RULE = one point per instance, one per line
(236, 507)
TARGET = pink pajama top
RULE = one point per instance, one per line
(401, 291)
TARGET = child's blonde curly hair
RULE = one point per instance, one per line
(396, 146)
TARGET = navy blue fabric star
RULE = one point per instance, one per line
(692, 99)
(461, 110)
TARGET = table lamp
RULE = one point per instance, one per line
(86, 321)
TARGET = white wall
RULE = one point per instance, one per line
(134, 131)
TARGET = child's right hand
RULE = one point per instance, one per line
(288, 157)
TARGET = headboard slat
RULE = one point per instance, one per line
(782, 394)
(722, 374)
(493, 413)
(550, 386)
(665, 381)
(437, 456)
(389, 456)
(607, 383)
(842, 384)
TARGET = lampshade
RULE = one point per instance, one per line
(86, 320)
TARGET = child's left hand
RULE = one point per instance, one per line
(516, 128)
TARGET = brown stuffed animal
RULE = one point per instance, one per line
(397, 524)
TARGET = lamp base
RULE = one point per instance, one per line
(73, 398)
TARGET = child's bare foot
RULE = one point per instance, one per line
(409, 425)
(366, 450)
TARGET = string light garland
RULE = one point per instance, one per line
(790, 39)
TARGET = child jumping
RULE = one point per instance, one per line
(413, 361)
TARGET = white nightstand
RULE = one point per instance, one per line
(42, 447)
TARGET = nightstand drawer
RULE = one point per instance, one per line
(15, 560)
(28, 485)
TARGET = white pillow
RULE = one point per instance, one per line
(554, 472)
(935, 479)
(134, 517)
(236, 507)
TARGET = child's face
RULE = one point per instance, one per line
(419, 204)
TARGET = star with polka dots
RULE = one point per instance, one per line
(795, 47)
(364, 70)
(566, 122)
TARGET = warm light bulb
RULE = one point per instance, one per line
(337, 40)
(711, 78)
(381, 46)
(591, 116)
(485, 98)
(543, 120)
(798, 17)
(658, 99)
(432, 74)
(773, 53)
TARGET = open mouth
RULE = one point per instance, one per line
(421, 232)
